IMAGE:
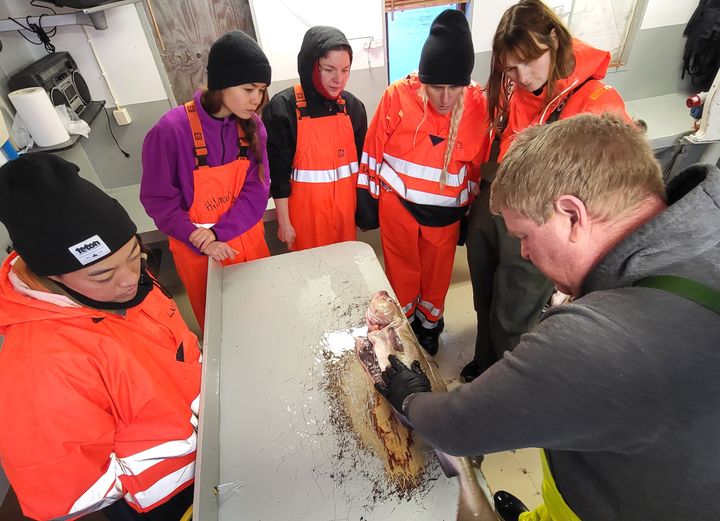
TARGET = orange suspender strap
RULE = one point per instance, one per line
(341, 105)
(199, 139)
(243, 143)
(300, 102)
(197, 135)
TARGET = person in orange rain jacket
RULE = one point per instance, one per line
(99, 374)
(205, 178)
(539, 74)
(419, 165)
(315, 136)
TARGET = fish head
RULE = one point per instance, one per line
(382, 311)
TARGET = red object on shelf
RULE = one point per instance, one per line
(696, 100)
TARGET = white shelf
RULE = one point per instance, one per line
(91, 16)
(667, 117)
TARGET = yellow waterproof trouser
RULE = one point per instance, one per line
(554, 507)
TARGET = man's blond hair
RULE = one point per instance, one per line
(601, 160)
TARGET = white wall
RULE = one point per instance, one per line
(122, 49)
(281, 24)
(660, 13)
(486, 15)
(124, 53)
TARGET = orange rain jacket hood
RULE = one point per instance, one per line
(527, 109)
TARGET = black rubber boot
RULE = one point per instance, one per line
(507, 506)
(429, 339)
(471, 371)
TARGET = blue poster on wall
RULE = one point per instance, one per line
(406, 34)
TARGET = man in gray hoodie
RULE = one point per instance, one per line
(620, 387)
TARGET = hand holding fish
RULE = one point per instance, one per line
(391, 340)
(401, 381)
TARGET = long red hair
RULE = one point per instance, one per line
(527, 29)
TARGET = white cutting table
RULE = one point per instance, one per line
(267, 449)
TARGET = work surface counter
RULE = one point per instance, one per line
(271, 445)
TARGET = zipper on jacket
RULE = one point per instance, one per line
(222, 142)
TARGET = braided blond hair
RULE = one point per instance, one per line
(455, 119)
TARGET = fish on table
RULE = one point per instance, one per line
(389, 332)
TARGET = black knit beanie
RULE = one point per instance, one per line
(447, 57)
(59, 222)
(235, 59)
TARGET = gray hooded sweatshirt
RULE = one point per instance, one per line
(622, 386)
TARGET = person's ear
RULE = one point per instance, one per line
(553, 36)
(574, 211)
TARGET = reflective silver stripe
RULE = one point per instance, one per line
(324, 176)
(472, 185)
(432, 309)
(425, 322)
(368, 160)
(407, 308)
(365, 182)
(138, 463)
(427, 173)
(106, 490)
(393, 180)
(374, 188)
(195, 408)
(164, 486)
(204, 225)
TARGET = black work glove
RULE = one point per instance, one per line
(401, 382)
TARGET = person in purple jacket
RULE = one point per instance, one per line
(205, 178)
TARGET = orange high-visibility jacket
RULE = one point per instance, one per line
(526, 109)
(95, 406)
(405, 147)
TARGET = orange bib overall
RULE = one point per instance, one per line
(322, 187)
(215, 190)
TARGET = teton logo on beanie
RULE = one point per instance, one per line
(59, 222)
(89, 250)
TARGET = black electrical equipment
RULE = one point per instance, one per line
(80, 4)
(57, 73)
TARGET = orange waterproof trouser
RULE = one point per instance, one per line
(418, 259)
(193, 269)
